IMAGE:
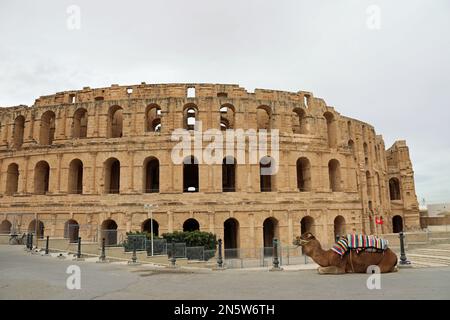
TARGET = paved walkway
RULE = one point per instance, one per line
(27, 276)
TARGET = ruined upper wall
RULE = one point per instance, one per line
(159, 91)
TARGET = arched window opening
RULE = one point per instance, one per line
(303, 175)
(339, 226)
(5, 227)
(80, 120)
(228, 174)
(151, 175)
(47, 131)
(19, 126)
(147, 226)
(109, 232)
(366, 154)
(299, 121)
(76, 177)
(115, 122)
(394, 189)
(266, 175)
(351, 147)
(369, 185)
(307, 225)
(112, 176)
(334, 172)
(191, 225)
(153, 118)
(231, 238)
(226, 117)
(41, 177)
(36, 228)
(331, 129)
(71, 230)
(397, 224)
(12, 179)
(270, 231)
(190, 175)
(190, 116)
(263, 118)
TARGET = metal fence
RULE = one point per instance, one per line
(263, 257)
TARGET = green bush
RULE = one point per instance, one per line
(193, 238)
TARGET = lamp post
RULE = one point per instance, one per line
(149, 208)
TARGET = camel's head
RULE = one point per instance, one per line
(304, 239)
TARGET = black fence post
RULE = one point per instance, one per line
(219, 257)
(103, 255)
(276, 261)
(46, 245)
(31, 241)
(134, 257)
(403, 260)
(79, 248)
(27, 244)
(173, 260)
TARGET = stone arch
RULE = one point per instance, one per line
(303, 174)
(191, 225)
(339, 226)
(229, 174)
(380, 192)
(334, 173)
(266, 174)
(227, 112)
(115, 122)
(112, 175)
(75, 177)
(153, 118)
(351, 147)
(369, 184)
(331, 129)
(263, 117)
(366, 153)
(19, 127)
(307, 225)
(36, 228)
(190, 174)
(397, 224)
(5, 227)
(299, 125)
(109, 232)
(71, 230)
(151, 175)
(190, 116)
(80, 122)
(47, 130)
(394, 189)
(41, 177)
(12, 179)
(231, 237)
(270, 232)
(147, 226)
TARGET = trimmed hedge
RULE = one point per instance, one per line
(193, 238)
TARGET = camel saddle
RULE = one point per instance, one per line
(359, 243)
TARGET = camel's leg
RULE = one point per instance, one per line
(388, 263)
(330, 270)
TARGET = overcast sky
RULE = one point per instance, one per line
(396, 77)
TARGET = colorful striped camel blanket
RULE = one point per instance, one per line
(359, 242)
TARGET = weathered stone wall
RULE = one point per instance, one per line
(365, 166)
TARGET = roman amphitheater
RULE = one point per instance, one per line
(85, 163)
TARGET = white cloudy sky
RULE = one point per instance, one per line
(397, 77)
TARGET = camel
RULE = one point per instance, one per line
(332, 263)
